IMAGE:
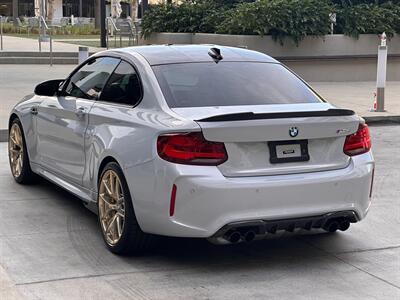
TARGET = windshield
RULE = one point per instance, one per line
(231, 83)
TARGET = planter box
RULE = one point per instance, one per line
(330, 45)
(331, 58)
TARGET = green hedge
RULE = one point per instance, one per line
(201, 16)
(279, 18)
(369, 18)
(293, 19)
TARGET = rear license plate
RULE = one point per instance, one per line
(288, 151)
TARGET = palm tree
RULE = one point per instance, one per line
(50, 9)
(134, 8)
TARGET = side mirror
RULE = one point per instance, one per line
(48, 88)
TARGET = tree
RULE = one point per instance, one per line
(50, 9)
(134, 9)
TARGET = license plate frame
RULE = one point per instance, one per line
(273, 155)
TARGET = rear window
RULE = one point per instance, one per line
(231, 83)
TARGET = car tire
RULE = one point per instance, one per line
(130, 239)
(20, 168)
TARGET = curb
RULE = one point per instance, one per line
(3, 135)
(382, 120)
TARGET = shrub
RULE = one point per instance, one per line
(368, 18)
(293, 19)
(201, 16)
(279, 18)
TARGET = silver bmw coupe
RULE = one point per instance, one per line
(194, 141)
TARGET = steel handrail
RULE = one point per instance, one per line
(108, 20)
(43, 24)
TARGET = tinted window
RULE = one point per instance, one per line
(230, 83)
(123, 86)
(90, 79)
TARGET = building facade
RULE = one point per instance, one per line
(56, 9)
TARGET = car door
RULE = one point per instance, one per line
(110, 119)
(62, 120)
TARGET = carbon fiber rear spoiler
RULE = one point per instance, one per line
(245, 116)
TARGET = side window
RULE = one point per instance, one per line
(123, 87)
(89, 81)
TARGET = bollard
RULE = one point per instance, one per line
(83, 54)
(381, 75)
(332, 18)
(1, 32)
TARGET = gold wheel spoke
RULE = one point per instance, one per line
(119, 225)
(12, 138)
(18, 138)
(105, 201)
(19, 164)
(14, 151)
(111, 223)
(116, 189)
(106, 187)
(110, 181)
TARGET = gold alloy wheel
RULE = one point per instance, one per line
(16, 150)
(111, 207)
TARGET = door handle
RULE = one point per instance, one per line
(80, 112)
(34, 110)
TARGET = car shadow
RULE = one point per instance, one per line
(182, 253)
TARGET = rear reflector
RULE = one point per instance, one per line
(172, 201)
(190, 149)
(359, 142)
(372, 183)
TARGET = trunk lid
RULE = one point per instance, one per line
(277, 139)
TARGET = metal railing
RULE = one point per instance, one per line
(44, 32)
(1, 32)
(110, 21)
(125, 28)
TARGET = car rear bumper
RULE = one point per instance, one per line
(206, 201)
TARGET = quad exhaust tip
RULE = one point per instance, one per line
(334, 225)
(249, 236)
(344, 225)
(234, 237)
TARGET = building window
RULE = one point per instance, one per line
(6, 8)
(26, 8)
(78, 8)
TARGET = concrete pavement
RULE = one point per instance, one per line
(16, 81)
(359, 96)
(51, 248)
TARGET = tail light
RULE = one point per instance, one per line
(359, 142)
(191, 149)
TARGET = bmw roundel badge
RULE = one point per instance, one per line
(293, 131)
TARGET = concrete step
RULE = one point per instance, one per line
(38, 60)
(36, 57)
(38, 54)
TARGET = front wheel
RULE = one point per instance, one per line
(121, 231)
(18, 154)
